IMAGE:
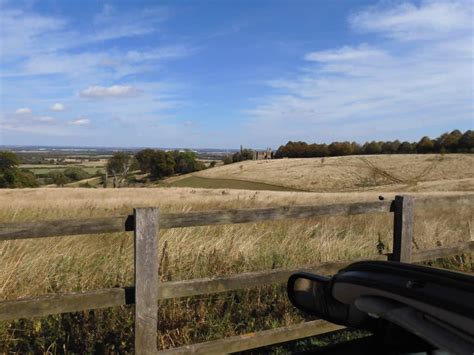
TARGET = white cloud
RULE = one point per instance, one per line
(29, 123)
(48, 57)
(345, 53)
(27, 33)
(407, 21)
(22, 32)
(167, 52)
(80, 122)
(57, 107)
(355, 91)
(115, 91)
(23, 111)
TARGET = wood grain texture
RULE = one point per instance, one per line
(62, 303)
(257, 340)
(444, 252)
(70, 227)
(191, 219)
(146, 279)
(58, 228)
(403, 209)
(186, 288)
(80, 301)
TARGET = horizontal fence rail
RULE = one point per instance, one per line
(119, 296)
(147, 222)
(257, 340)
(58, 228)
(70, 227)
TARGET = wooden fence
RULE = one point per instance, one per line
(146, 224)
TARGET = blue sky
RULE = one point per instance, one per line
(224, 73)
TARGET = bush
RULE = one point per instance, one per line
(57, 177)
(11, 176)
(159, 163)
(185, 162)
(26, 179)
(76, 174)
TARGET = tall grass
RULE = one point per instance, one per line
(51, 265)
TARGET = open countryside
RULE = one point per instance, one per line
(69, 264)
(168, 168)
(352, 173)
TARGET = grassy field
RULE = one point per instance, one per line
(29, 268)
(422, 172)
(42, 169)
(212, 183)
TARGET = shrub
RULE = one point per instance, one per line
(76, 174)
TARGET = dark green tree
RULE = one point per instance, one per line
(57, 177)
(75, 173)
(425, 145)
(247, 154)
(144, 158)
(118, 166)
(236, 157)
(340, 148)
(227, 160)
(10, 174)
(372, 148)
(390, 147)
(162, 164)
(406, 148)
(8, 161)
(186, 162)
(449, 142)
(466, 142)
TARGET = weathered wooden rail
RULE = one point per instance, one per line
(146, 223)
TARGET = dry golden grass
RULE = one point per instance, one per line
(88, 261)
(353, 173)
(63, 264)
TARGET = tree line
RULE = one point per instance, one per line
(454, 142)
(154, 162)
(244, 154)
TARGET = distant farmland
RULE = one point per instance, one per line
(43, 169)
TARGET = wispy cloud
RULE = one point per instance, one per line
(28, 122)
(57, 107)
(346, 53)
(384, 86)
(49, 63)
(80, 121)
(23, 111)
(115, 91)
(26, 33)
(407, 21)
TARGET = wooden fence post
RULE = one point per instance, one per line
(146, 279)
(402, 228)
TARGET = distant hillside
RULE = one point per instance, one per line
(422, 172)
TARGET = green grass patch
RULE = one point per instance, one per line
(210, 183)
(41, 170)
